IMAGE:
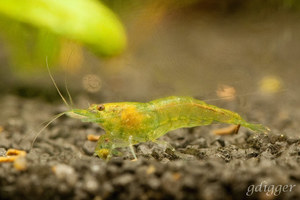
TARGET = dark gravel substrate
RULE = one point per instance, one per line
(62, 166)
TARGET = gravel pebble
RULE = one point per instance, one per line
(123, 179)
(66, 173)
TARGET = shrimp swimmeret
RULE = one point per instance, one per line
(129, 123)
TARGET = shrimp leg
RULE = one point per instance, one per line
(131, 147)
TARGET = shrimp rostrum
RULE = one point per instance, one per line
(129, 123)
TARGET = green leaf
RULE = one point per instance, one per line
(86, 21)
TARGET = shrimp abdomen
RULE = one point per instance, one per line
(178, 112)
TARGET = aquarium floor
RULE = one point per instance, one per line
(61, 164)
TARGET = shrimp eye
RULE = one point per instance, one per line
(100, 107)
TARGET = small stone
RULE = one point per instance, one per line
(145, 149)
(201, 142)
(170, 183)
(153, 183)
(252, 153)
(292, 140)
(165, 160)
(65, 172)
(20, 163)
(219, 142)
(150, 170)
(123, 179)
(112, 169)
(95, 168)
(89, 147)
(90, 184)
(4, 142)
(97, 198)
(209, 192)
(107, 188)
(2, 151)
(131, 166)
(25, 145)
(63, 188)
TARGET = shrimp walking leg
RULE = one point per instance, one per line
(131, 147)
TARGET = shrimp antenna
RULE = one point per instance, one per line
(58, 115)
(42, 129)
(69, 94)
(54, 83)
(66, 85)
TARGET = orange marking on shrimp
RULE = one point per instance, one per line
(130, 117)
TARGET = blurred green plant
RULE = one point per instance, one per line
(85, 21)
(33, 29)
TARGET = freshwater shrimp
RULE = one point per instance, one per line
(129, 123)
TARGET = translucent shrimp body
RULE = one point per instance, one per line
(128, 123)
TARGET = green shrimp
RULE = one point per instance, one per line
(129, 123)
